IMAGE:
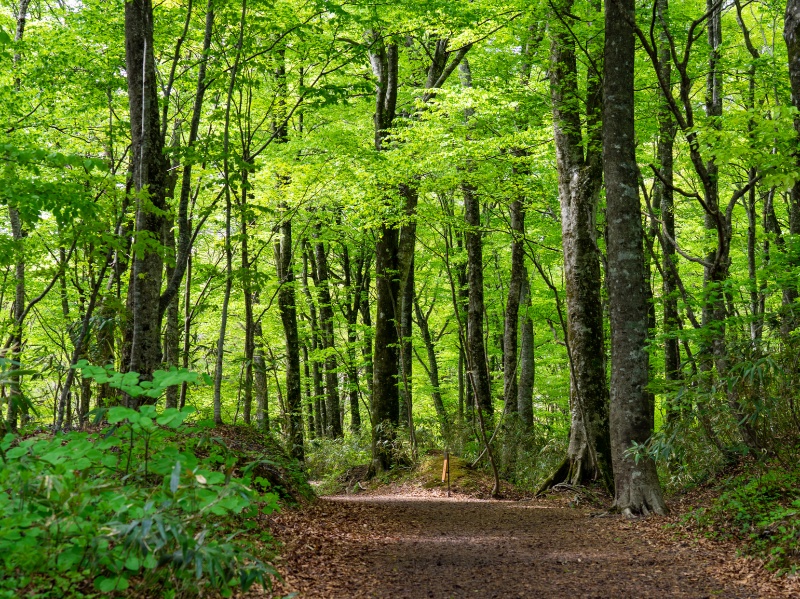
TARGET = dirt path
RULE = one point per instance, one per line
(418, 547)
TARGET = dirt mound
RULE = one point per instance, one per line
(264, 457)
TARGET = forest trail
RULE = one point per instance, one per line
(405, 546)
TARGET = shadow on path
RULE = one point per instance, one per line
(410, 547)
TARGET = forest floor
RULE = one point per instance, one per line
(407, 541)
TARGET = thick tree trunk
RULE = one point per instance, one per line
(385, 394)
(149, 173)
(637, 489)
(580, 179)
(791, 35)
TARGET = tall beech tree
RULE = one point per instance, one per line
(580, 173)
(637, 489)
(149, 168)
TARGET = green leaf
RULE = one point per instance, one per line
(133, 563)
(120, 413)
(107, 585)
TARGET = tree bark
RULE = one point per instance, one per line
(637, 489)
(579, 181)
(663, 199)
(287, 304)
(319, 403)
(476, 348)
(311, 418)
(18, 234)
(406, 345)
(260, 380)
(333, 423)
(247, 292)
(172, 331)
(149, 175)
(228, 217)
(515, 291)
(527, 357)
(432, 369)
(353, 283)
(791, 35)
(385, 396)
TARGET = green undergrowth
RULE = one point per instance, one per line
(330, 462)
(144, 503)
(759, 508)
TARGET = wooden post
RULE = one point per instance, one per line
(446, 471)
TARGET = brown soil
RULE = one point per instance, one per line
(424, 545)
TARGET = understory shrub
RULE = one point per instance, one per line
(762, 510)
(137, 503)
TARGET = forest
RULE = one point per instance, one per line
(253, 252)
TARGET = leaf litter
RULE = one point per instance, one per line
(408, 541)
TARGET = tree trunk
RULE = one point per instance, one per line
(149, 173)
(319, 404)
(187, 329)
(476, 349)
(311, 418)
(511, 325)
(527, 357)
(580, 179)
(260, 381)
(637, 489)
(354, 288)
(288, 307)
(791, 35)
(333, 422)
(247, 292)
(228, 217)
(385, 398)
(433, 369)
(172, 332)
(18, 234)
(663, 198)
(406, 346)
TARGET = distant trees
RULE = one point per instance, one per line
(302, 201)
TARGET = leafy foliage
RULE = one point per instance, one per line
(129, 504)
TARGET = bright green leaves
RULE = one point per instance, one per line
(84, 506)
(129, 382)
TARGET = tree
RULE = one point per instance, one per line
(637, 489)
(149, 174)
(580, 178)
